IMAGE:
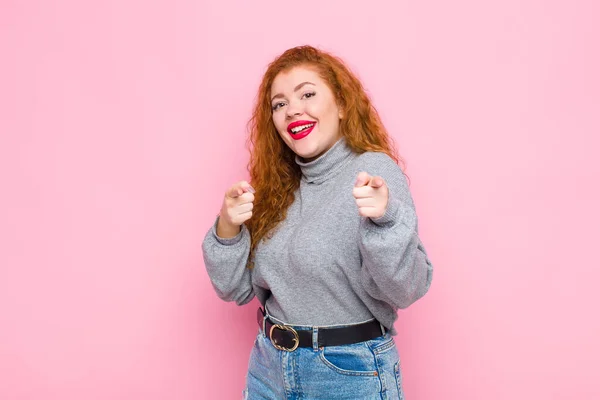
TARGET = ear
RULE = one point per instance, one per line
(341, 114)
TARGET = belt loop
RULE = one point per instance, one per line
(382, 328)
(315, 338)
(264, 315)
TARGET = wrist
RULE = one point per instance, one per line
(227, 230)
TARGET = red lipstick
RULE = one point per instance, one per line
(295, 129)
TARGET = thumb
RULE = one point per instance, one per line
(362, 179)
(377, 182)
(246, 187)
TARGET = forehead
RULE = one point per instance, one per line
(287, 80)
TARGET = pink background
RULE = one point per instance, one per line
(122, 123)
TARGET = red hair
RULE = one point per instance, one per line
(273, 170)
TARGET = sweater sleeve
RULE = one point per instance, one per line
(225, 261)
(395, 267)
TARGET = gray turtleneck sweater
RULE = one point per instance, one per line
(325, 264)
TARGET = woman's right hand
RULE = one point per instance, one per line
(236, 209)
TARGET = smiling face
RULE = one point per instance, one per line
(305, 112)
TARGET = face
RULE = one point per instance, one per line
(305, 112)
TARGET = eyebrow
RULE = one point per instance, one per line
(298, 87)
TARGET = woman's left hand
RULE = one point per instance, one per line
(371, 195)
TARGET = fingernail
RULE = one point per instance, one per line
(251, 189)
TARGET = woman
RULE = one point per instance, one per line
(325, 237)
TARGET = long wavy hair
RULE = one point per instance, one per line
(273, 170)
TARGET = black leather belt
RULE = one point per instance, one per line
(285, 337)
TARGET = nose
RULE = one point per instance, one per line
(294, 109)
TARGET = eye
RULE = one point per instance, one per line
(309, 95)
(276, 106)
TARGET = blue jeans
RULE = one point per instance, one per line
(365, 370)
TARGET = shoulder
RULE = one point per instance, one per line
(377, 163)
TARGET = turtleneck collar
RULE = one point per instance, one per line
(327, 164)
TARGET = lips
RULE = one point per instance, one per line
(300, 129)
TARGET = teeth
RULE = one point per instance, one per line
(301, 128)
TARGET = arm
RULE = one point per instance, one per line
(225, 260)
(395, 267)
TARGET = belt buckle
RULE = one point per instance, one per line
(296, 338)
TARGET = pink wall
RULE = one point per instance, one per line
(122, 122)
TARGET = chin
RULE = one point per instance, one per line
(308, 157)
(307, 151)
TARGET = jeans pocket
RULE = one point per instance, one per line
(382, 344)
(353, 359)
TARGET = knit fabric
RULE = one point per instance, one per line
(325, 264)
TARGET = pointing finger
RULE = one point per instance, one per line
(362, 179)
(248, 188)
(239, 188)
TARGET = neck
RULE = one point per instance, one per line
(320, 168)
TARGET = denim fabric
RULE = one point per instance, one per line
(365, 370)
